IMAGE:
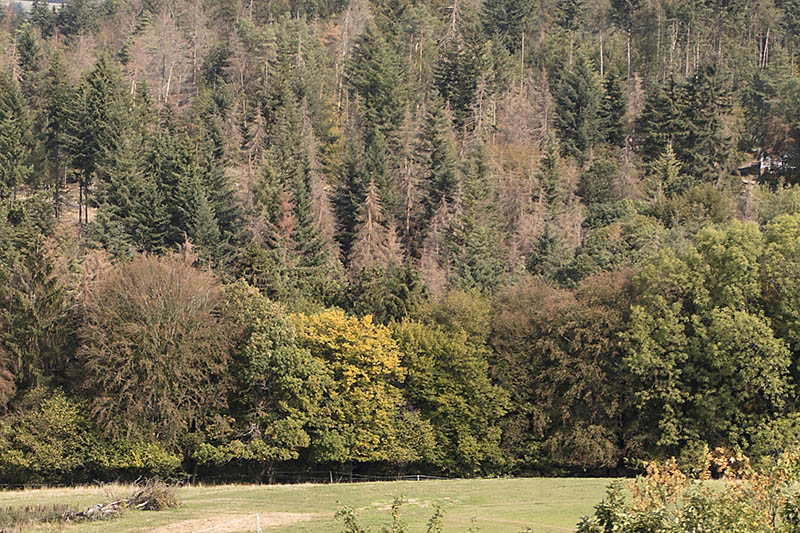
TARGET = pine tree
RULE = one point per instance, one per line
(211, 158)
(612, 111)
(375, 241)
(377, 77)
(95, 125)
(706, 149)
(505, 20)
(623, 14)
(55, 118)
(350, 193)
(665, 178)
(570, 16)
(577, 99)
(439, 155)
(660, 120)
(42, 17)
(456, 75)
(204, 229)
(15, 138)
(77, 17)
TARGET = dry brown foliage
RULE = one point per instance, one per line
(154, 345)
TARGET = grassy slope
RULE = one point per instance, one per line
(499, 505)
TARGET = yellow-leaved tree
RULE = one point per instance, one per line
(359, 420)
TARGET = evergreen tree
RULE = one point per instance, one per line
(95, 125)
(36, 307)
(55, 118)
(211, 158)
(570, 15)
(706, 148)
(660, 120)
(77, 17)
(612, 111)
(458, 69)
(623, 14)
(505, 20)
(15, 138)
(42, 17)
(439, 155)
(377, 77)
(375, 241)
(350, 193)
(577, 100)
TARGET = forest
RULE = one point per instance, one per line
(240, 238)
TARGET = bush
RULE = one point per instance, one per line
(666, 500)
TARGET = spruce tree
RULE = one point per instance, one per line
(660, 120)
(577, 102)
(706, 149)
(95, 124)
(505, 20)
(55, 118)
(375, 241)
(377, 77)
(438, 153)
(15, 138)
(612, 111)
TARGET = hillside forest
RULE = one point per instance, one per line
(455, 237)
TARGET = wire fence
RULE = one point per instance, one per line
(277, 478)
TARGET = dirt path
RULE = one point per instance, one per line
(235, 522)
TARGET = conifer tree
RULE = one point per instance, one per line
(375, 241)
(350, 193)
(612, 111)
(438, 152)
(42, 17)
(570, 15)
(505, 20)
(623, 14)
(705, 147)
(659, 121)
(95, 125)
(377, 77)
(577, 99)
(211, 158)
(15, 138)
(55, 118)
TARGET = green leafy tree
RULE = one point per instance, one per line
(695, 326)
(448, 381)
(558, 358)
(277, 386)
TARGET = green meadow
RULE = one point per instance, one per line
(538, 505)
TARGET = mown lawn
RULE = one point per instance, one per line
(496, 505)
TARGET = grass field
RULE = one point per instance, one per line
(496, 505)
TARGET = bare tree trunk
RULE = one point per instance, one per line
(80, 201)
(602, 62)
(629, 55)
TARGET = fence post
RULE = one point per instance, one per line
(258, 523)
(330, 473)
